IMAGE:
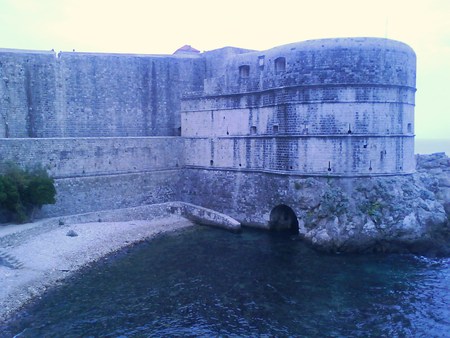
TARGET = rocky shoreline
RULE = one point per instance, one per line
(40, 255)
(401, 214)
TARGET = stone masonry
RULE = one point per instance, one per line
(230, 129)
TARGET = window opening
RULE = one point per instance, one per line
(261, 61)
(280, 64)
(244, 71)
(409, 128)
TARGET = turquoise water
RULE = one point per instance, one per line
(208, 282)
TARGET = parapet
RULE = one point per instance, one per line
(342, 107)
(326, 62)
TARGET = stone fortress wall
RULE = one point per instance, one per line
(328, 107)
(106, 125)
(103, 124)
(93, 174)
(93, 95)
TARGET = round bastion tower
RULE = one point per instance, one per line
(340, 107)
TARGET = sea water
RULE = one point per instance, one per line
(430, 146)
(208, 282)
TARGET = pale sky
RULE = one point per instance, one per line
(160, 27)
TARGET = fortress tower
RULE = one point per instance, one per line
(327, 107)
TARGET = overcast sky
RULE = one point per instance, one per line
(155, 27)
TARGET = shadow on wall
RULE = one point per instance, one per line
(283, 218)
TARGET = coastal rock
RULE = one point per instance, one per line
(382, 214)
(434, 172)
(71, 233)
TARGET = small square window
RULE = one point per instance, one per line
(244, 71)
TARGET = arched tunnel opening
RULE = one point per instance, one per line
(283, 219)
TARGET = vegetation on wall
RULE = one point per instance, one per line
(23, 192)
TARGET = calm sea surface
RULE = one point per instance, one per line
(429, 146)
(208, 282)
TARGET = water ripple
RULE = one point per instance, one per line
(207, 282)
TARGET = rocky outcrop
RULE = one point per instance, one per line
(380, 214)
(434, 172)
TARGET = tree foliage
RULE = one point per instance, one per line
(22, 192)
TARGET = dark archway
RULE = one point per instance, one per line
(283, 218)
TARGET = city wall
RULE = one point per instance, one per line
(251, 122)
(93, 95)
(93, 174)
(81, 157)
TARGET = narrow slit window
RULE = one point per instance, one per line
(409, 128)
(253, 130)
(261, 61)
(275, 129)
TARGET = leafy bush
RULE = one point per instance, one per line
(23, 192)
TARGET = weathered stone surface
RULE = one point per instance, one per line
(333, 107)
(75, 94)
(386, 214)
(402, 214)
(314, 127)
(377, 214)
(434, 172)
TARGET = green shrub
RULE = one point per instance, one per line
(373, 210)
(23, 192)
(333, 202)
